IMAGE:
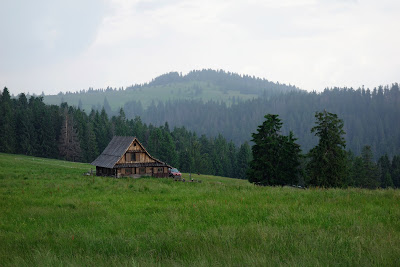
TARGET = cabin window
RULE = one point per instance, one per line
(142, 170)
(160, 170)
(130, 157)
(128, 171)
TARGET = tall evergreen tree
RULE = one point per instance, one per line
(106, 107)
(102, 129)
(396, 171)
(243, 159)
(69, 145)
(385, 170)
(232, 160)
(275, 157)
(327, 165)
(120, 126)
(91, 145)
(154, 145)
(7, 123)
(46, 122)
(290, 158)
(24, 129)
(370, 171)
(168, 147)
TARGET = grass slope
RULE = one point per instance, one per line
(50, 214)
(147, 94)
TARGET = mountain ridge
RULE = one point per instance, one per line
(205, 84)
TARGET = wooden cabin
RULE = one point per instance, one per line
(126, 156)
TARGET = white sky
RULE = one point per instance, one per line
(53, 46)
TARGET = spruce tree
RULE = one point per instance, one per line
(243, 159)
(119, 124)
(357, 172)
(91, 145)
(154, 145)
(385, 171)
(396, 171)
(327, 165)
(69, 145)
(370, 169)
(290, 157)
(24, 129)
(276, 158)
(7, 123)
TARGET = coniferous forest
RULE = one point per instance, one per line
(215, 138)
(194, 101)
(371, 117)
(30, 127)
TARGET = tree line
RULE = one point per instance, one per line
(370, 116)
(277, 158)
(225, 80)
(30, 127)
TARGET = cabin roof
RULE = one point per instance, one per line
(116, 149)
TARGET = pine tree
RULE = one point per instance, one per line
(69, 145)
(385, 171)
(52, 121)
(275, 157)
(357, 172)
(371, 177)
(327, 165)
(102, 129)
(7, 123)
(243, 159)
(45, 121)
(138, 128)
(396, 171)
(154, 145)
(232, 159)
(290, 158)
(120, 125)
(91, 150)
(106, 107)
(171, 157)
(24, 129)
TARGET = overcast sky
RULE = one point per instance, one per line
(69, 45)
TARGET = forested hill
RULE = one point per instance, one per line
(202, 85)
(226, 81)
(370, 117)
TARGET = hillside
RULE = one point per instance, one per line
(50, 214)
(202, 85)
(370, 116)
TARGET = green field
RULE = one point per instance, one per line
(51, 215)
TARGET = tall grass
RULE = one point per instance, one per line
(50, 214)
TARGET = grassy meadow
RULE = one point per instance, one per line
(52, 215)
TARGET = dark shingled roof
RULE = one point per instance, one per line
(113, 152)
